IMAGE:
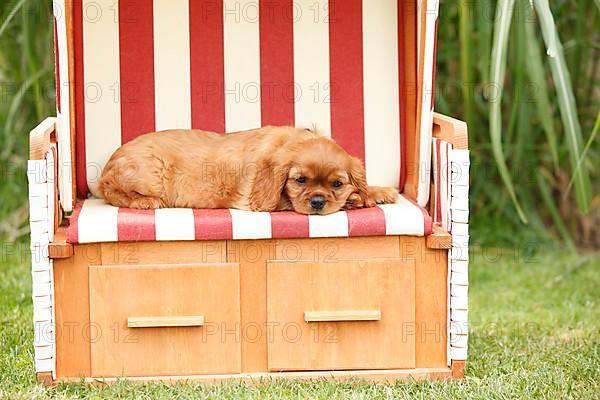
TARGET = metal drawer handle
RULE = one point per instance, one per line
(161, 322)
(342, 315)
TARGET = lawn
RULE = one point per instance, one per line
(535, 334)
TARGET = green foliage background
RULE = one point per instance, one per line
(532, 140)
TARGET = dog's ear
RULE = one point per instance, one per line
(356, 174)
(268, 185)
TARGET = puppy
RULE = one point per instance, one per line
(266, 169)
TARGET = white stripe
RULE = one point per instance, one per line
(459, 290)
(43, 352)
(426, 108)
(311, 65)
(38, 189)
(459, 278)
(40, 276)
(458, 353)
(459, 315)
(459, 341)
(458, 328)
(46, 365)
(460, 216)
(250, 225)
(175, 224)
(42, 301)
(242, 65)
(403, 218)
(460, 229)
(97, 222)
(460, 191)
(102, 77)
(42, 314)
(381, 88)
(41, 289)
(444, 184)
(38, 202)
(39, 263)
(332, 225)
(460, 266)
(172, 82)
(51, 191)
(458, 203)
(459, 302)
(38, 228)
(64, 118)
(459, 253)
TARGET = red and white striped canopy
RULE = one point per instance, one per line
(231, 65)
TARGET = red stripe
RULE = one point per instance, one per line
(402, 85)
(57, 65)
(207, 65)
(288, 224)
(73, 231)
(346, 63)
(277, 62)
(427, 221)
(434, 61)
(438, 211)
(136, 57)
(366, 222)
(213, 224)
(136, 225)
(80, 157)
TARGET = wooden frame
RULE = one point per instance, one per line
(72, 263)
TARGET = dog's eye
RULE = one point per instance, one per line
(337, 184)
(301, 180)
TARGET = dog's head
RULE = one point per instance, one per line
(316, 175)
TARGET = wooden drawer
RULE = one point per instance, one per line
(346, 315)
(164, 319)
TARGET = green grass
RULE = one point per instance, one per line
(535, 334)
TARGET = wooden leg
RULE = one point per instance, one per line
(44, 378)
(458, 369)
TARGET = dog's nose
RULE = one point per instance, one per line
(317, 202)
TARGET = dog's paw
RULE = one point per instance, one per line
(354, 201)
(145, 203)
(383, 195)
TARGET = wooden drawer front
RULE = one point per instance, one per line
(345, 315)
(164, 320)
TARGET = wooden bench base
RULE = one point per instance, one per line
(384, 376)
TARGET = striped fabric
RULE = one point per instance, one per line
(95, 221)
(239, 64)
(63, 101)
(427, 40)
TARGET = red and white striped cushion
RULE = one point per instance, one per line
(143, 65)
(94, 221)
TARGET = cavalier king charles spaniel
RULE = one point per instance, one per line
(266, 169)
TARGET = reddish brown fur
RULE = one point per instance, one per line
(256, 170)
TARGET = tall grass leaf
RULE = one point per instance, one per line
(10, 16)
(14, 111)
(465, 56)
(497, 72)
(587, 147)
(597, 4)
(484, 35)
(537, 75)
(558, 222)
(566, 102)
